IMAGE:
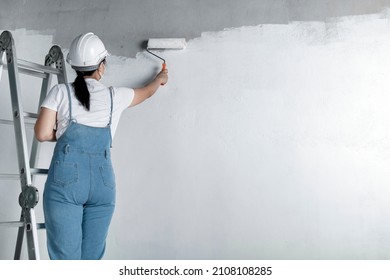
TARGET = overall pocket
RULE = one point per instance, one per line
(108, 176)
(65, 173)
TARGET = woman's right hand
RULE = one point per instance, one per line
(163, 76)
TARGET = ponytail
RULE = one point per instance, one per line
(80, 86)
(81, 89)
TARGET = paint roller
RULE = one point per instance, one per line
(165, 44)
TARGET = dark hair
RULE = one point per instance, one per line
(81, 89)
(80, 86)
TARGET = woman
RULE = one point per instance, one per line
(79, 195)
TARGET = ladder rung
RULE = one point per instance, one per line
(30, 115)
(34, 171)
(33, 73)
(41, 225)
(39, 171)
(35, 69)
(11, 224)
(9, 176)
(20, 224)
(4, 121)
(27, 115)
(11, 122)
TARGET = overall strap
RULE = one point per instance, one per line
(70, 102)
(112, 104)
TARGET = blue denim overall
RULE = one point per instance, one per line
(79, 195)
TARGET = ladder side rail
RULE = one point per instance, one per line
(7, 43)
(2, 61)
(4, 40)
(35, 144)
(32, 234)
(19, 238)
(17, 113)
(56, 57)
(31, 238)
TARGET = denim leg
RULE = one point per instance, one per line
(99, 208)
(63, 228)
(95, 229)
(63, 199)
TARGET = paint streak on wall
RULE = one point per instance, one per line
(268, 142)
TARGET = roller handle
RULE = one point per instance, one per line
(164, 66)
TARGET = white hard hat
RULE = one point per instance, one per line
(86, 52)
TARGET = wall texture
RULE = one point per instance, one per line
(269, 142)
(125, 25)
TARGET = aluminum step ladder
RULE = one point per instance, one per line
(28, 198)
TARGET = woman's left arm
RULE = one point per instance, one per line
(44, 127)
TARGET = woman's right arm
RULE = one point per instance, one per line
(141, 94)
(44, 127)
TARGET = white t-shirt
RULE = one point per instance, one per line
(100, 105)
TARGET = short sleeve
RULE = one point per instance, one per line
(123, 97)
(53, 98)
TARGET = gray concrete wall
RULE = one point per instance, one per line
(125, 24)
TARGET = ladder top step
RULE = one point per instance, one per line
(32, 67)
(38, 67)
